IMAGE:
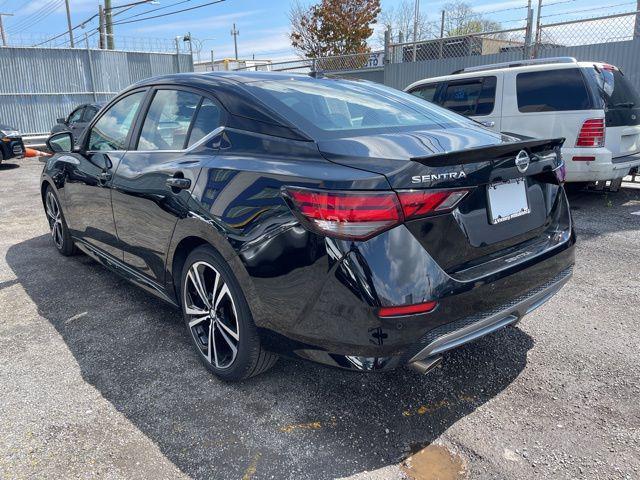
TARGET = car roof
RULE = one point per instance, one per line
(499, 68)
(217, 78)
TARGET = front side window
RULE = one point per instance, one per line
(167, 122)
(552, 91)
(334, 108)
(111, 130)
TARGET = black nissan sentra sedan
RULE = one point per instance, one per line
(338, 221)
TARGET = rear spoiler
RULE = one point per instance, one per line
(490, 152)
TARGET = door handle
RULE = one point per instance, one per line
(488, 123)
(178, 183)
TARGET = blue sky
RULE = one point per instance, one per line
(263, 24)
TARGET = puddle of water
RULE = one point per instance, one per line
(435, 462)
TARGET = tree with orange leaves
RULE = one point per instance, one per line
(333, 27)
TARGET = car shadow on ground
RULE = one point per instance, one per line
(299, 420)
(8, 166)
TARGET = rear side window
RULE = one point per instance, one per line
(471, 97)
(552, 91)
(426, 92)
(207, 120)
(167, 122)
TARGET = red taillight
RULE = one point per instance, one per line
(592, 133)
(359, 215)
(403, 310)
(349, 215)
(417, 203)
(581, 158)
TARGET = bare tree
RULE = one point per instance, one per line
(399, 19)
(460, 19)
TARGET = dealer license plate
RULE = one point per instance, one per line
(508, 200)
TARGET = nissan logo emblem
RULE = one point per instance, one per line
(522, 161)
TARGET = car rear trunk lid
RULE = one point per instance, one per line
(471, 235)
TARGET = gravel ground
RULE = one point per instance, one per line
(98, 379)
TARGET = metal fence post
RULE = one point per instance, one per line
(91, 77)
(536, 46)
(528, 34)
(387, 46)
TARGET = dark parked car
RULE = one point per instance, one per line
(11, 144)
(77, 120)
(337, 221)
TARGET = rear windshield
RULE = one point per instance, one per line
(616, 90)
(333, 108)
(552, 91)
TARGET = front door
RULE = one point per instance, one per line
(151, 188)
(90, 175)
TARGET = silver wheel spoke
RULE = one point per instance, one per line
(223, 291)
(224, 327)
(196, 281)
(193, 310)
(198, 320)
(233, 348)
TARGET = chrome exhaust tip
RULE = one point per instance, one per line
(426, 365)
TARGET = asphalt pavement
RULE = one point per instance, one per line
(98, 379)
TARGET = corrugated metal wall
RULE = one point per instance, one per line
(625, 55)
(38, 85)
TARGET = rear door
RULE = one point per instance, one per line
(151, 188)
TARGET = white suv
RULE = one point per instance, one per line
(592, 105)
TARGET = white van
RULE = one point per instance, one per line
(592, 105)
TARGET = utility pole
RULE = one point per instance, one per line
(101, 28)
(235, 34)
(416, 15)
(212, 60)
(109, 24)
(66, 3)
(4, 37)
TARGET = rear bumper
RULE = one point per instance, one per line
(339, 326)
(604, 167)
(455, 334)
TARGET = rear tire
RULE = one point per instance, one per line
(218, 318)
(57, 224)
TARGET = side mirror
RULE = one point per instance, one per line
(62, 121)
(60, 142)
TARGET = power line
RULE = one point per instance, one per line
(151, 11)
(588, 9)
(37, 16)
(168, 13)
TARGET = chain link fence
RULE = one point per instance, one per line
(486, 43)
(611, 28)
